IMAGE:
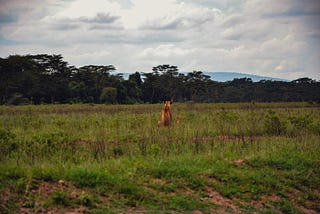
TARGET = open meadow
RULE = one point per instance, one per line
(219, 158)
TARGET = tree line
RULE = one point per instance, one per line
(43, 78)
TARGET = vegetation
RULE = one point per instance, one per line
(40, 79)
(246, 157)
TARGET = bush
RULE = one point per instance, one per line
(315, 127)
(301, 122)
(273, 124)
(52, 139)
(87, 200)
(18, 99)
(226, 121)
(60, 198)
(7, 144)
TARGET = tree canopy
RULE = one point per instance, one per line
(47, 78)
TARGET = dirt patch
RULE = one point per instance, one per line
(240, 162)
(305, 208)
(44, 192)
(221, 211)
(54, 210)
(188, 191)
(270, 198)
(158, 181)
(47, 188)
(213, 179)
(6, 197)
(216, 198)
(294, 194)
(317, 192)
(257, 204)
(134, 210)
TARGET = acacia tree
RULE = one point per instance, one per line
(150, 90)
(88, 82)
(196, 82)
(55, 73)
(20, 80)
(161, 84)
(136, 77)
(133, 88)
(170, 81)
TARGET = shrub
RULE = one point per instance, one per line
(301, 122)
(7, 144)
(226, 121)
(51, 139)
(315, 127)
(273, 124)
(60, 198)
(87, 200)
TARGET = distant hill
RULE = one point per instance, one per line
(226, 76)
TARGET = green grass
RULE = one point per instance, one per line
(253, 157)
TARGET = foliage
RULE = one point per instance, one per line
(43, 78)
(7, 143)
(273, 125)
(108, 95)
(60, 198)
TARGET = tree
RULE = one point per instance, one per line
(19, 78)
(108, 95)
(136, 77)
(47, 78)
(93, 78)
(196, 83)
(134, 93)
(150, 87)
(168, 81)
(54, 72)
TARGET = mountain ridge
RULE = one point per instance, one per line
(229, 76)
(225, 76)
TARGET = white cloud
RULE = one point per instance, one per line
(84, 8)
(276, 38)
(164, 51)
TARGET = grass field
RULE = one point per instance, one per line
(222, 158)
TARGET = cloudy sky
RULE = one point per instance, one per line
(278, 38)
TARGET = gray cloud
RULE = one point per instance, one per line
(101, 21)
(272, 37)
(156, 25)
(104, 27)
(8, 18)
(64, 26)
(157, 37)
(101, 18)
(233, 20)
(181, 22)
(297, 8)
